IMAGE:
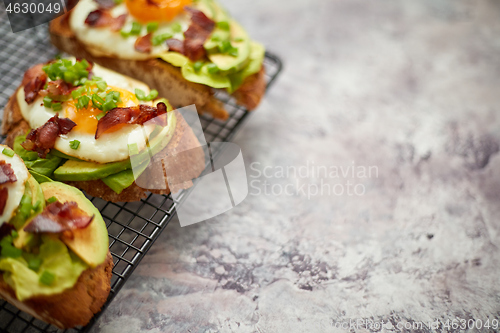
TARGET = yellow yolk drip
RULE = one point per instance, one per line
(156, 10)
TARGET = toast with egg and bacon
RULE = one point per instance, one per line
(187, 50)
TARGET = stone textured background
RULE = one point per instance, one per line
(411, 87)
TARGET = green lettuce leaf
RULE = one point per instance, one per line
(43, 166)
(56, 259)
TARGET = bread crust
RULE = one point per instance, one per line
(164, 77)
(183, 140)
(74, 306)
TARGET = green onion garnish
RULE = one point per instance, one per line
(140, 94)
(158, 39)
(8, 152)
(51, 199)
(225, 46)
(197, 66)
(101, 85)
(47, 278)
(74, 144)
(109, 105)
(56, 106)
(233, 52)
(14, 234)
(224, 25)
(136, 28)
(82, 102)
(176, 27)
(47, 102)
(152, 27)
(212, 68)
(100, 115)
(34, 263)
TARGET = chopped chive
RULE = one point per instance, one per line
(132, 149)
(77, 93)
(51, 199)
(37, 205)
(47, 102)
(34, 263)
(215, 38)
(56, 106)
(233, 52)
(47, 278)
(8, 152)
(84, 63)
(158, 39)
(101, 85)
(176, 27)
(152, 94)
(124, 34)
(140, 94)
(100, 115)
(225, 46)
(109, 105)
(83, 102)
(74, 144)
(14, 234)
(197, 66)
(212, 68)
(224, 25)
(152, 27)
(136, 28)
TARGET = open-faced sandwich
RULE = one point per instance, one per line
(73, 121)
(186, 49)
(54, 257)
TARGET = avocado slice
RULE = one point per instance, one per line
(91, 243)
(73, 170)
(240, 40)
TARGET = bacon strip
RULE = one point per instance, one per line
(195, 36)
(59, 217)
(4, 195)
(175, 45)
(130, 115)
(7, 175)
(102, 18)
(44, 137)
(143, 44)
(33, 87)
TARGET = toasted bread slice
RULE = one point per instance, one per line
(73, 307)
(13, 124)
(162, 76)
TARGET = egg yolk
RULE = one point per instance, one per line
(86, 118)
(156, 10)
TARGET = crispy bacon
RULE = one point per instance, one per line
(175, 45)
(59, 217)
(131, 115)
(143, 44)
(118, 22)
(32, 73)
(102, 18)
(195, 36)
(4, 195)
(7, 175)
(44, 137)
(33, 87)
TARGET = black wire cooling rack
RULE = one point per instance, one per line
(133, 227)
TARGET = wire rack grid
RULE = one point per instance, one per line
(133, 226)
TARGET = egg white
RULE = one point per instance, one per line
(110, 147)
(16, 189)
(105, 42)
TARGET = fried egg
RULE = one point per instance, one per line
(15, 189)
(111, 146)
(103, 41)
